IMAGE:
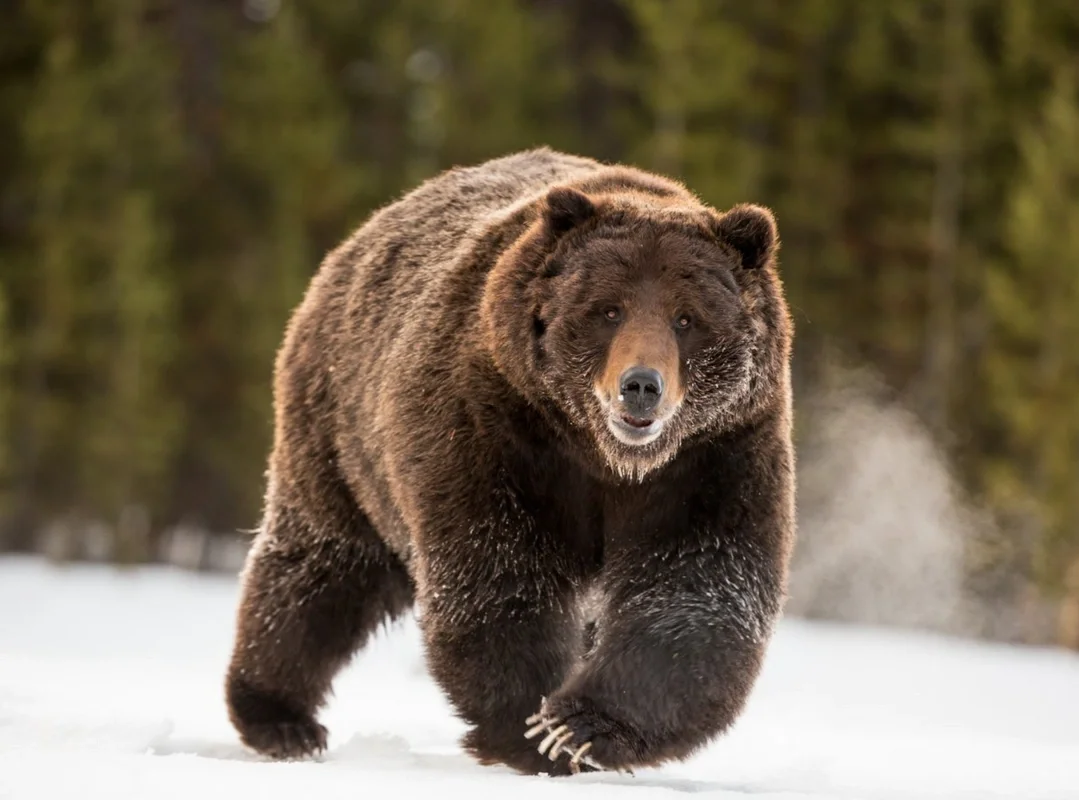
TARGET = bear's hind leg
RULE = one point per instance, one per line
(313, 592)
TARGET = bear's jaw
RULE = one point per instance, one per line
(634, 451)
(636, 464)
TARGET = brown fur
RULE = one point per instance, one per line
(447, 405)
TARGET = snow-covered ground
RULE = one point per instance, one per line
(111, 686)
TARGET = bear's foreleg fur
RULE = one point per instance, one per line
(499, 625)
(689, 600)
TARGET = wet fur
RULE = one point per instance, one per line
(438, 439)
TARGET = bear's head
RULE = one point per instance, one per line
(644, 321)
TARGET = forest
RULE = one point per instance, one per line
(171, 174)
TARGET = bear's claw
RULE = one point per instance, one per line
(559, 737)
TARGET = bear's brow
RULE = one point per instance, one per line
(613, 247)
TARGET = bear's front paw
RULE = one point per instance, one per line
(578, 728)
(286, 740)
(270, 725)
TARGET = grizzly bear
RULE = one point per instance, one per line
(547, 399)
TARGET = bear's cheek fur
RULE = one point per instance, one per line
(572, 356)
(718, 378)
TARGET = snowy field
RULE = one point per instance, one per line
(111, 686)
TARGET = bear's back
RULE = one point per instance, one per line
(392, 304)
(402, 262)
(426, 226)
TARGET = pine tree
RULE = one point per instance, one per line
(6, 381)
(100, 146)
(284, 145)
(1034, 300)
(696, 65)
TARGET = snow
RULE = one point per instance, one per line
(111, 686)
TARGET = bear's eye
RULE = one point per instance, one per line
(683, 322)
(612, 313)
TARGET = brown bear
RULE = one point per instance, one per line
(549, 400)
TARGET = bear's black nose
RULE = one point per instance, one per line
(640, 390)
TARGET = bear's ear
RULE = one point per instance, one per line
(751, 231)
(566, 209)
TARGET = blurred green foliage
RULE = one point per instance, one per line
(172, 172)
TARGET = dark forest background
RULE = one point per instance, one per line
(172, 171)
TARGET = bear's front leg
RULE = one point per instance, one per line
(499, 625)
(679, 648)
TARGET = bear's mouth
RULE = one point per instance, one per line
(634, 430)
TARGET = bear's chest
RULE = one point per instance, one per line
(590, 520)
(570, 506)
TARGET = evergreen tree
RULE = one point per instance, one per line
(100, 147)
(1034, 301)
(292, 193)
(6, 352)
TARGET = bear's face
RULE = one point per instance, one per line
(650, 326)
